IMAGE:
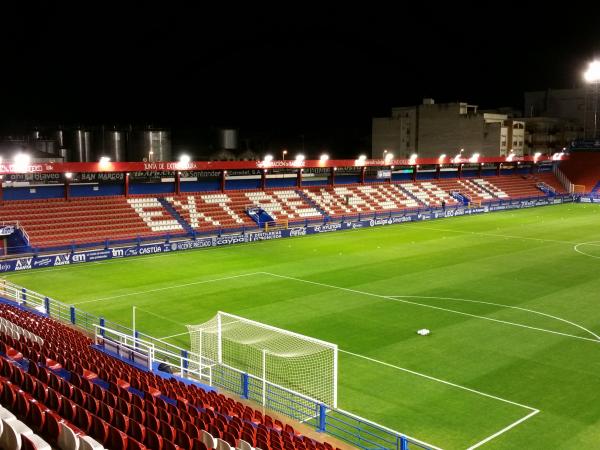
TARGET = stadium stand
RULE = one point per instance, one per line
(58, 222)
(354, 199)
(75, 396)
(54, 223)
(518, 186)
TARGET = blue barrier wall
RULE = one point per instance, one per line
(89, 190)
(243, 184)
(281, 182)
(200, 186)
(24, 193)
(152, 188)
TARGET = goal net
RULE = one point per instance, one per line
(272, 356)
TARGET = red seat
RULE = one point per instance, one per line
(117, 440)
(135, 445)
(99, 430)
(37, 416)
(153, 440)
(52, 427)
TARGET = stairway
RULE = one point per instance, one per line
(312, 203)
(410, 194)
(171, 210)
(481, 186)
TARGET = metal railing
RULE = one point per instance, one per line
(564, 180)
(344, 425)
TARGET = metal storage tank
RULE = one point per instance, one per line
(61, 146)
(151, 145)
(82, 145)
(228, 139)
(113, 144)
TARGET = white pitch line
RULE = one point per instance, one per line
(174, 335)
(533, 311)
(504, 430)
(575, 247)
(175, 286)
(439, 380)
(386, 297)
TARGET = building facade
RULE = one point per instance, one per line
(432, 129)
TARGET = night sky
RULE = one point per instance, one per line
(278, 74)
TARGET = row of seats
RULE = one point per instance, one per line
(125, 408)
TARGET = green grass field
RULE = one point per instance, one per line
(511, 301)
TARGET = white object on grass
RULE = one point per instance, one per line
(424, 332)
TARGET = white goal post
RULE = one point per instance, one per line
(271, 355)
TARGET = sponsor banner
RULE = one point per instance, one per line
(188, 245)
(7, 230)
(34, 262)
(589, 199)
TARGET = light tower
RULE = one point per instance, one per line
(592, 77)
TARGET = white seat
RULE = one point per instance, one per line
(222, 445)
(39, 443)
(10, 438)
(208, 439)
(87, 443)
(67, 440)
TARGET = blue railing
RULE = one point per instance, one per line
(344, 425)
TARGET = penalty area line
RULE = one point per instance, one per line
(532, 411)
(438, 380)
(504, 430)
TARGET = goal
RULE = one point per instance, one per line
(270, 356)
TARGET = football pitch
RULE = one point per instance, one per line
(512, 300)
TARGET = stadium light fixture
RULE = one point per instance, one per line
(388, 157)
(510, 156)
(442, 157)
(592, 74)
(68, 175)
(413, 158)
(104, 162)
(22, 158)
(268, 159)
(474, 158)
(324, 157)
(184, 159)
(361, 160)
(21, 161)
(536, 156)
(299, 157)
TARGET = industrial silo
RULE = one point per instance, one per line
(228, 139)
(151, 145)
(82, 145)
(112, 143)
(61, 144)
